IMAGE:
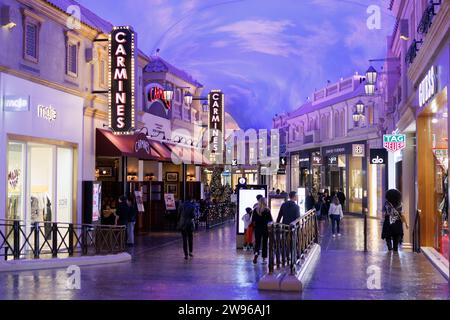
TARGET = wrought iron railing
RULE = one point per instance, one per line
(411, 54)
(22, 240)
(427, 19)
(290, 244)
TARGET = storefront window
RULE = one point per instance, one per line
(16, 173)
(440, 153)
(355, 185)
(64, 186)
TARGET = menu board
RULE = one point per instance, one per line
(139, 201)
(169, 199)
(96, 201)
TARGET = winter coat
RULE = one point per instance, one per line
(289, 212)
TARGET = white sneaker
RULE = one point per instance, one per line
(339, 234)
(264, 261)
(334, 236)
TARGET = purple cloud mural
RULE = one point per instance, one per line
(267, 56)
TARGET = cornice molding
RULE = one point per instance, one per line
(58, 16)
(436, 38)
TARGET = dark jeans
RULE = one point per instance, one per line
(392, 242)
(335, 221)
(263, 236)
(187, 239)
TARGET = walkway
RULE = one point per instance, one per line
(218, 271)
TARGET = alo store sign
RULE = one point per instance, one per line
(394, 142)
(122, 80)
(428, 87)
(215, 122)
(378, 156)
(16, 103)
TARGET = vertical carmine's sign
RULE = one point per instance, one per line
(216, 123)
(122, 58)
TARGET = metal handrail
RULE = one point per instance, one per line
(22, 240)
(289, 244)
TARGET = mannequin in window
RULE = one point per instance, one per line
(48, 218)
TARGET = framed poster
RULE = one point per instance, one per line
(172, 176)
(172, 188)
(139, 201)
(169, 199)
(96, 201)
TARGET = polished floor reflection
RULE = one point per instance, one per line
(218, 271)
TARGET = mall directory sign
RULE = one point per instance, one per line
(247, 199)
(122, 77)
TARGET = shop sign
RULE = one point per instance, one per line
(242, 181)
(378, 156)
(332, 160)
(394, 142)
(142, 144)
(47, 113)
(155, 93)
(316, 159)
(335, 150)
(122, 56)
(16, 103)
(215, 122)
(359, 150)
(428, 87)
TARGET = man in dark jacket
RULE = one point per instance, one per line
(123, 211)
(186, 226)
(289, 211)
(341, 196)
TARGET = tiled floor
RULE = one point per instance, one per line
(218, 271)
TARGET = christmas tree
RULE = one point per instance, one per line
(216, 184)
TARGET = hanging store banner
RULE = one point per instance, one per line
(394, 142)
(122, 77)
(216, 123)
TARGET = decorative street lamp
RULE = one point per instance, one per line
(168, 93)
(370, 89)
(360, 107)
(371, 75)
(188, 97)
(356, 117)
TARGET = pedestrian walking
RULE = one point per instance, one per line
(261, 217)
(341, 196)
(336, 215)
(289, 211)
(122, 212)
(248, 229)
(393, 220)
(186, 212)
(310, 202)
(132, 215)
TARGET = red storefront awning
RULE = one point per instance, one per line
(136, 146)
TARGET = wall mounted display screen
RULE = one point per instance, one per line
(247, 199)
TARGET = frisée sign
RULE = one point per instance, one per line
(394, 142)
(122, 80)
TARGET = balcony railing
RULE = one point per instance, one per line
(22, 240)
(427, 20)
(411, 54)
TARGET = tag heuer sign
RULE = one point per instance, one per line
(394, 142)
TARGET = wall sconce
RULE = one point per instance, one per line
(5, 18)
(149, 177)
(132, 176)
